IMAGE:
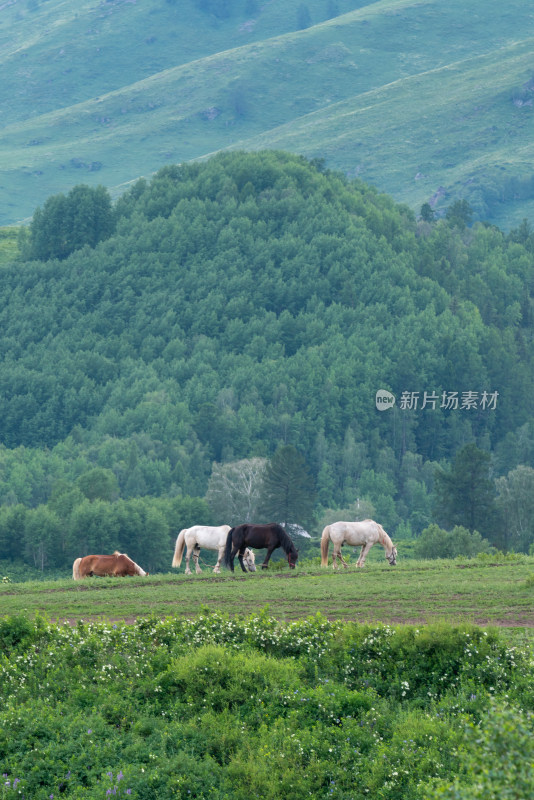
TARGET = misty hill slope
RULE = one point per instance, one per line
(252, 300)
(426, 100)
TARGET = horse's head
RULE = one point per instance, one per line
(249, 559)
(392, 557)
(292, 557)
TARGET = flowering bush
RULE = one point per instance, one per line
(229, 707)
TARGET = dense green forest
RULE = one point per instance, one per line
(226, 309)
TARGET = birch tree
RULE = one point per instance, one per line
(234, 490)
(515, 501)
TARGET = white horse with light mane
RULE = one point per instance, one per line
(212, 539)
(365, 533)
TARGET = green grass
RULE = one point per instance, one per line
(409, 96)
(8, 245)
(418, 592)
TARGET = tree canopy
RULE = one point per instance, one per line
(68, 222)
(257, 301)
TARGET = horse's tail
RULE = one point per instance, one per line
(228, 549)
(76, 574)
(179, 549)
(325, 541)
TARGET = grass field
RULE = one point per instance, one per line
(485, 593)
(8, 245)
(151, 695)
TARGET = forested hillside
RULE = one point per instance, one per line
(247, 302)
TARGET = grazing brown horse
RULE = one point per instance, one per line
(118, 565)
(268, 536)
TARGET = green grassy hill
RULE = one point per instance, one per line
(428, 101)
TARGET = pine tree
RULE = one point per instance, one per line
(465, 495)
(288, 493)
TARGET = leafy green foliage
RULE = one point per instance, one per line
(437, 543)
(427, 212)
(287, 493)
(51, 537)
(246, 303)
(496, 760)
(183, 708)
(515, 498)
(98, 484)
(466, 492)
(67, 223)
(459, 214)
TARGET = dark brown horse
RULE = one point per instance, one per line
(118, 564)
(268, 536)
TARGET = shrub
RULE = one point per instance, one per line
(435, 542)
(16, 631)
(496, 759)
(238, 707)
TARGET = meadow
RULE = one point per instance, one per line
(301, 684)
(413, 592)
(203, 703)
(9, 249)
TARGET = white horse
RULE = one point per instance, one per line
(212, 539)
(365, 533)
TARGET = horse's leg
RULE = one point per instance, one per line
(217, 567)
(187, 559)
(232, 556)
(196, 554)
(342, 559)
(363, 554)
(240, 557)
(267, 557)
(336, 553)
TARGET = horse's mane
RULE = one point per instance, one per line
(383, 537)
(285, 540)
